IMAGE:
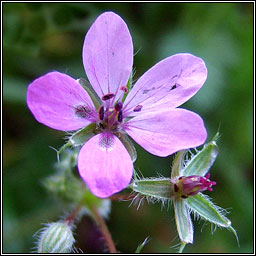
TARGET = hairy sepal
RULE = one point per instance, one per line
(155, 188)
(202, 161)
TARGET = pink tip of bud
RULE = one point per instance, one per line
(192, 185)
(207, 176)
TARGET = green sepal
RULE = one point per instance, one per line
(94, 96)
(201, 205)
(140, 247)
(178, 164)
(202, 161)
(183, 220)
(231, 229)
(129, 87)
(129, 146)
(156, 188)
(83, 135)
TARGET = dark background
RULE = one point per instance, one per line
(41, 37)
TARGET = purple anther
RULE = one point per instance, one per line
(118, 106)
(120, 116)
(101, 112)
(137, 108)
(108, 96)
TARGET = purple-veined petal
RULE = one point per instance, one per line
(53, 98)
(168, 84)
(108, 54)
(105, 165)
(164, 133)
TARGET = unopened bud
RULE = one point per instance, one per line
(57, 237)
(192, 185)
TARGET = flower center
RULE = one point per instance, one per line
(110, 117)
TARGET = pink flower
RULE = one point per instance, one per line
(148, 114)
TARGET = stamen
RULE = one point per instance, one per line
(124, 88)
(108, 96)
(118, 106)
(137, 108)
(101, 112)
(120, 116)
(176, 188)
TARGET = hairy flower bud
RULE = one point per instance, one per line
(56, 237)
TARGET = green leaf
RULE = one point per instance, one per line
(157, 188)
(202, 206)
(140, 247)
(177, 164)
(183, 221)
(202, 161)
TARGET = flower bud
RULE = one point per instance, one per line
(57, 237)
(192, 185)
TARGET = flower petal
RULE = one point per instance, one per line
(52, 99)
(108, 54)
(168, 84)
(105, 165)
(163, 133)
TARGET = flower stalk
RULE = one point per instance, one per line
(104, 229)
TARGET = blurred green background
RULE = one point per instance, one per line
(41, 37)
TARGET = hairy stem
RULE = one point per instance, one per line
(104, 229)
(74, 213)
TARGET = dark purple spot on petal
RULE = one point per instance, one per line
(106, 141)
(101, 112)
(173, 87)
(137, 108)
(108, 96)
(145, 91)
(83, 111)
(183, 196)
